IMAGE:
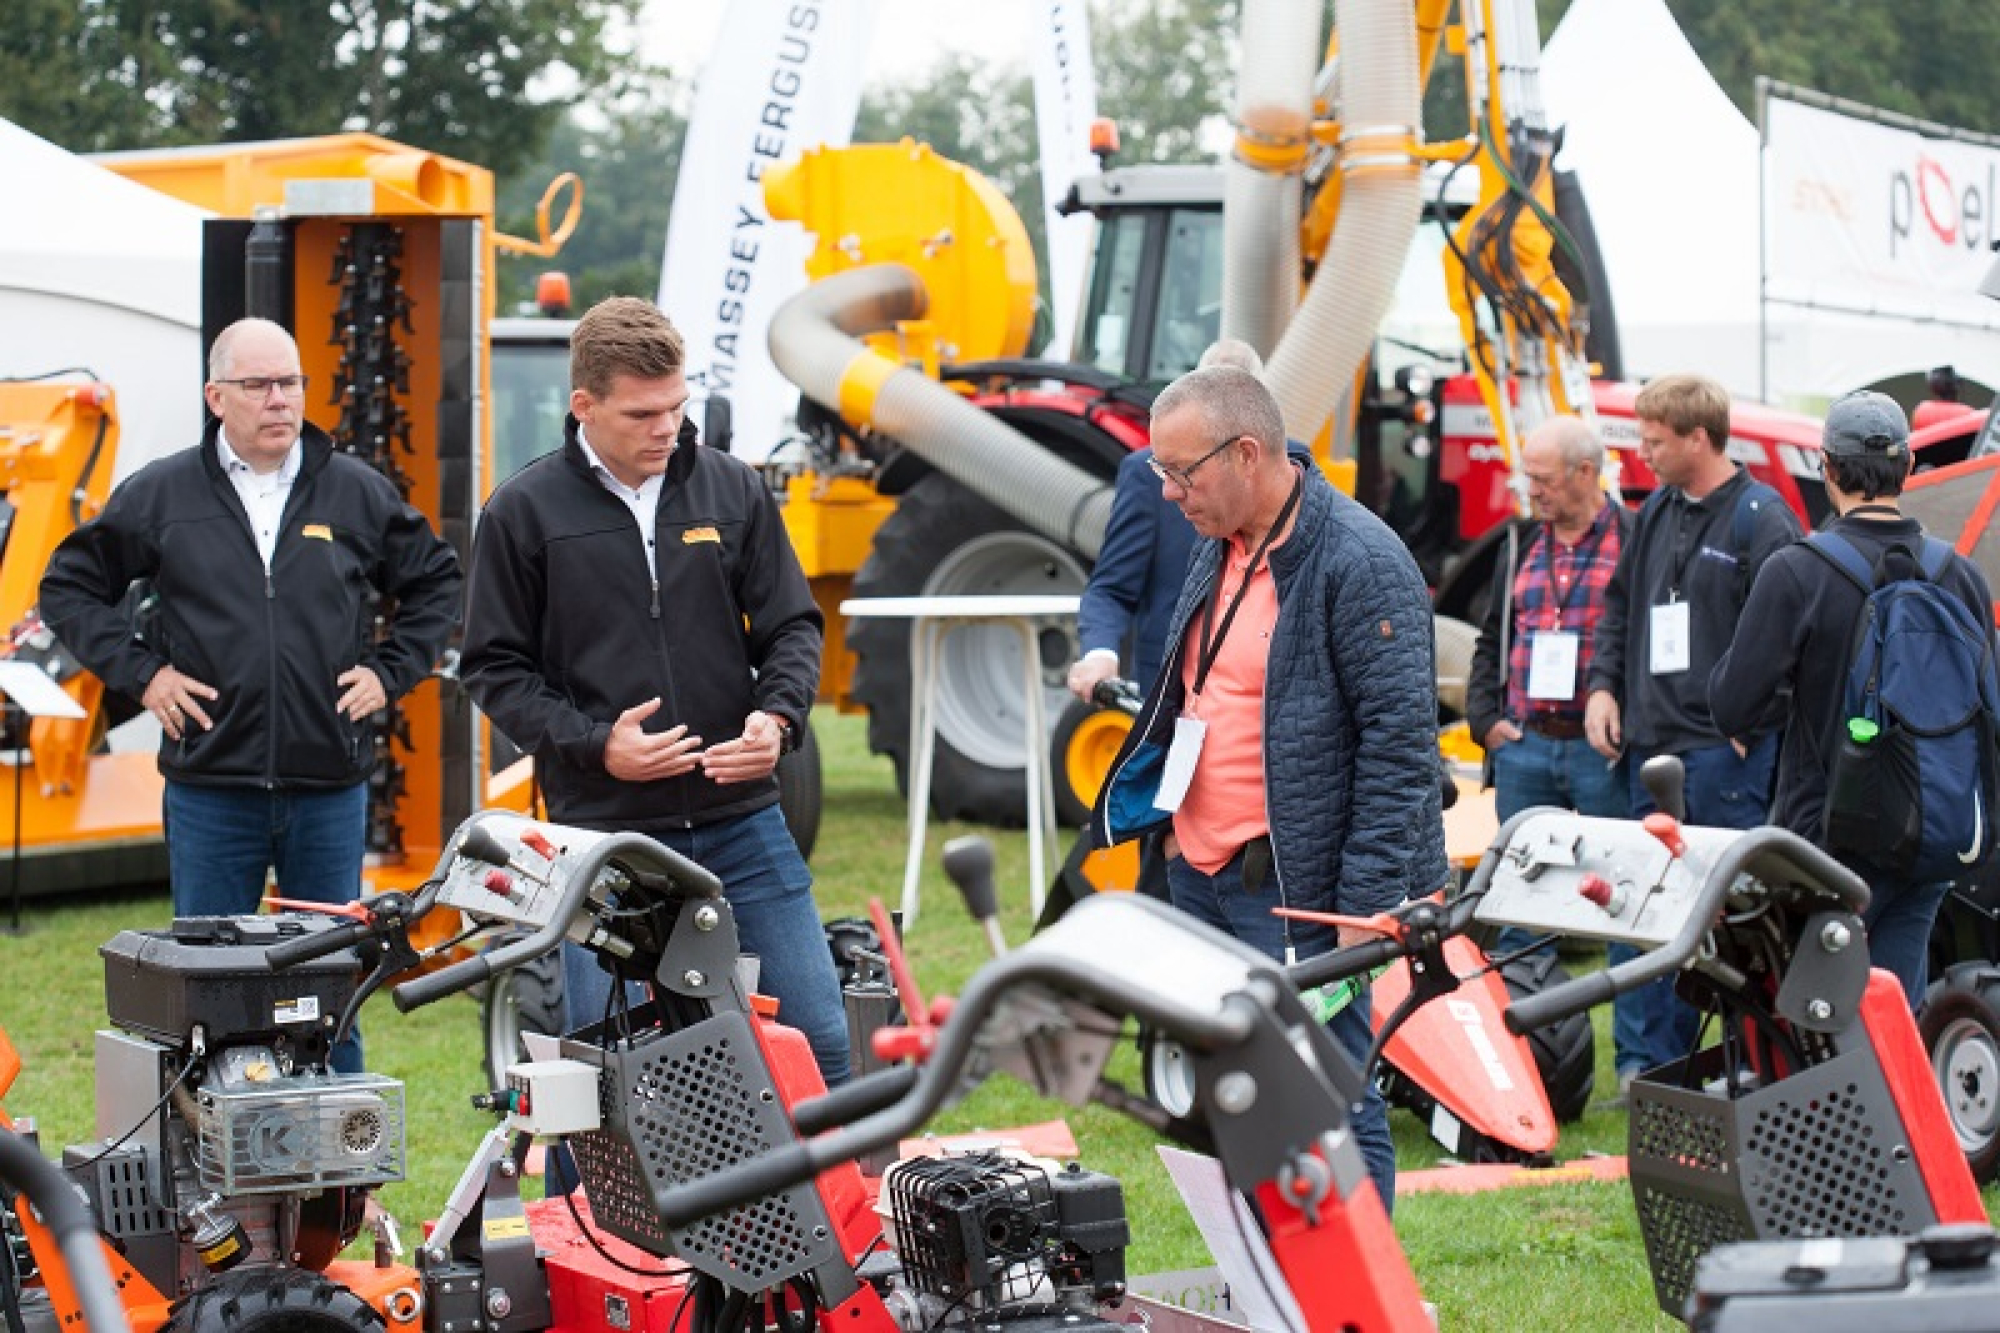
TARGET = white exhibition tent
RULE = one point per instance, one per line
(1671, 170)
(104, 274)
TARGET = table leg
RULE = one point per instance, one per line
(924, 637)
(1040, 783)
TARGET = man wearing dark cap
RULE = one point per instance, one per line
(1793, 642)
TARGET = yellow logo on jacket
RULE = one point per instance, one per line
(693, 535)
(317, 530)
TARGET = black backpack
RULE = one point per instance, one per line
(1912, 785)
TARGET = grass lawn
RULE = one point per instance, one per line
(1565, 1256)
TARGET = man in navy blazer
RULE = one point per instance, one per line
(1140, 567)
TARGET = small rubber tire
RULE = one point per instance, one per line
(1566, 1052)
(1961, 1030)
(268, 1300)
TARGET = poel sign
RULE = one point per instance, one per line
(1926, 201)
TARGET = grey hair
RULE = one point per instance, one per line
(219, 352)
(1232, 352)
(1574, 439)
(1229, 399)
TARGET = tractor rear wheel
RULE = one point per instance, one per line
(944, 540)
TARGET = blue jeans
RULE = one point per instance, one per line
(222, 841)
(1652, 1026)
(770, 890)
(1220, 900)
(1568, 774)
(1899, 920)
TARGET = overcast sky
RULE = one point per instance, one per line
(909, 34)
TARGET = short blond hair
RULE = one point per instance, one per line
(1683, 402)
(623, 335)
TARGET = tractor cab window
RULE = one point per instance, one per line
(1155, 292)
(530, 399)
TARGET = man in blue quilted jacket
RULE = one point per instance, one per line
(1290, 739)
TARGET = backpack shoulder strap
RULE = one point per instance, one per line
(1844, 556)
(1743, 527)
(1937, 556)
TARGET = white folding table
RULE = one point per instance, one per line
(932, 619)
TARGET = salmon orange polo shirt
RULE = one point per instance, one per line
(1224, 806)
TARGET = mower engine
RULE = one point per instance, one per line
(987, 1237)
(253, 1153)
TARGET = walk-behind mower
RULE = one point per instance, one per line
(719, 1190)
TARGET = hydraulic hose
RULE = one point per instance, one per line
(1261, 181)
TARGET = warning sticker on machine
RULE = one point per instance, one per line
(305, 1009)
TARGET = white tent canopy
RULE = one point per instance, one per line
(1671, 170)
(101, 273)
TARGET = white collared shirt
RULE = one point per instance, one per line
(263, 494)
(643, 502)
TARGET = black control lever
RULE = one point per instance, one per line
(968, 862)
(1665, 780)
(480, 844)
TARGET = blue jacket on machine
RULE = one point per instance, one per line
(1350, 715)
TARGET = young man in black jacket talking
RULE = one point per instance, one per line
(638, 622)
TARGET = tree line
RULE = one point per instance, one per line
(530, 88)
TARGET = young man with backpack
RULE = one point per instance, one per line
(1882, 642)
(1669, 612)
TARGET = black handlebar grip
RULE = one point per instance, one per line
(854, 1099)
(1559, 1002)
(737, 1185)
(464, 975)
(305, 948)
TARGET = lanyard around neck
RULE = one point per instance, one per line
(1211, 644)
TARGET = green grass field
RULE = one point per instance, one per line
(1563, 1256)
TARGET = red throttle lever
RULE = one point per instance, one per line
(1668, 830)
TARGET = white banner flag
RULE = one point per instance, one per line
(1873, 218)
(1065, 104)
(785, 76)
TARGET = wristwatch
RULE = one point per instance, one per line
(788, 740)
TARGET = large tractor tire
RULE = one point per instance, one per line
(1961, 1030)
(272, 1301)
(521, 999)
(945, 540)
(1565, 1052)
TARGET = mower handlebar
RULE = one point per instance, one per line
(305, 948)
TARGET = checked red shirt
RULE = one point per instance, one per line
(1560, 587)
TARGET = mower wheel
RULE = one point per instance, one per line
(521, 999)
(1961, 1030)
(1565, 1052)
(1169, 1074)
(272, 1301)
(799, 788)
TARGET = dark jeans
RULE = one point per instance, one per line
(222, 841)
(1221, 901)
(1899, 920)
(1652, 1026)
(770, 889)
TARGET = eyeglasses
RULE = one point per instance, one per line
(1183, 477)
(292, 386)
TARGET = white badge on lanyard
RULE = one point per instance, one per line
(1189, 733)
(1552, 658)
(1672, 651)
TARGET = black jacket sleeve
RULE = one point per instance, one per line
(85, 583)
(1485, 695)
(786, 629)
(420, 570)
(500, 659)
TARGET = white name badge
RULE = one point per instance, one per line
(1672, 650)
(1552, 656)
(1189, 733)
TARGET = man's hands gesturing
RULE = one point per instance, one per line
(632, 754)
